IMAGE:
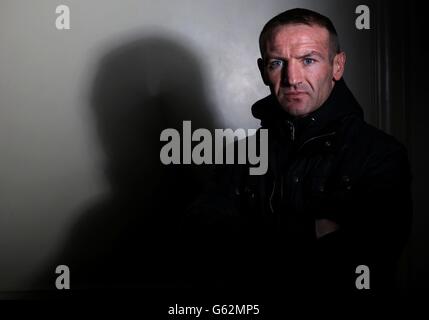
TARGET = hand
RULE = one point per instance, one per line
(324, 227)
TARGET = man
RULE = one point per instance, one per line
(337, 191)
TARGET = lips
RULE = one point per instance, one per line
(295, 93)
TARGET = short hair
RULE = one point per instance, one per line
(300, 16)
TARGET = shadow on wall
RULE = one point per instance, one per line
(129, 239)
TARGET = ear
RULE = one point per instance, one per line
(339, 64)
(262, 71)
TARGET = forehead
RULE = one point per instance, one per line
(296, 37)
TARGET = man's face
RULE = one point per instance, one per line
(298, 69)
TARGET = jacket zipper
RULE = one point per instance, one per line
(271, 197)
(292, 128)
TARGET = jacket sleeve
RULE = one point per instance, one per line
(378, 220)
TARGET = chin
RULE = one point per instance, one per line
(296, 111)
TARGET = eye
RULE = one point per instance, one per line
(273, 64)
(308, 61)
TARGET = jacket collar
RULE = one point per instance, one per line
(340, 104)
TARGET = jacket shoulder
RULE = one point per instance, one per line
(378, 152)
(381, 142)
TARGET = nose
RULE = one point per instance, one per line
(292, 74)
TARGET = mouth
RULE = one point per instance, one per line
(294, 96)
(294, 93)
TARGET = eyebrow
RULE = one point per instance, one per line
(306, 55)
(311, 53)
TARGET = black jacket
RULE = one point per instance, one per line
(331, 164)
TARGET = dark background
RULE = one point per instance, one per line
(403, 86)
